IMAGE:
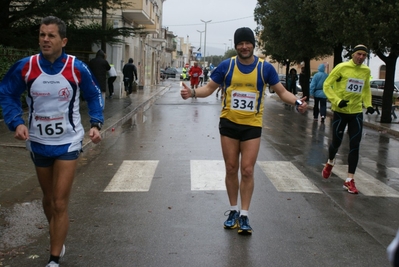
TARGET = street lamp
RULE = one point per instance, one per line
(231, 43)
(206, 22)
(200, 39)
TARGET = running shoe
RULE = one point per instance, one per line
(327, 171)
(244, 228)
(350, 186)
(52, 264)
(232, 220)
(322, 118)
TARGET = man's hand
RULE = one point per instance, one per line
(95, 135)
(304, 106)
(21, 132)
(343, 103)
(370, 110)
(185, 92)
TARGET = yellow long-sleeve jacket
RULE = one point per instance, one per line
(348, 81)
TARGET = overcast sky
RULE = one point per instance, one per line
(183, 17)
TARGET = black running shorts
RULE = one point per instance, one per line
(238, 131)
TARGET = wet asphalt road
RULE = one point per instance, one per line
(173, 225)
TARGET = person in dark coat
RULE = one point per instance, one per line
(292, 78)
(129, 76)
(99, 66)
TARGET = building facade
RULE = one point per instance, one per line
(151, 47)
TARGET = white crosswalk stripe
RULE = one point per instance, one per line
(133, 176)
(365, 183)
(286, 177)
(207, 175)
(137, 176)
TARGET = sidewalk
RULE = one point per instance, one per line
(116, 112)
(370, 121)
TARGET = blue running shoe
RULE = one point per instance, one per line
(232, 220)
(243, 226)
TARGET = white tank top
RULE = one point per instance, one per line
(53, 100)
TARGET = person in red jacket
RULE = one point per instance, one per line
(195, 73)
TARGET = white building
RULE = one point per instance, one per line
(377, 67)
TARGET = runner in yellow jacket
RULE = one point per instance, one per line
(348, 89)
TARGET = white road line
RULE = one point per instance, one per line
(394, 169)
(133, 176)
(207, 175)
(286, 177)
(365, 183)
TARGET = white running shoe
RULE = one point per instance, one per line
(52, 264)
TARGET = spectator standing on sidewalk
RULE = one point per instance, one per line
(316, 90)
(292, 78)
(129, 76)
(111, 79)
(99, 66)
(244, 78)
(54, 133)
(348, 89)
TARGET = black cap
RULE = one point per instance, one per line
(244, 34)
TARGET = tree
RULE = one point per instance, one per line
(384, 41)
(372, 23)
(230, 53)
(288, 33)
(320, 28)
(19, 21)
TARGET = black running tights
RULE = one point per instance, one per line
(355, 129)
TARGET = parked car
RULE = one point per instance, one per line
(377, 88)
(168, 73)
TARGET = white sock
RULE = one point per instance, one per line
(331, 162)
(234, 208)
(348, 179)
(244, 213)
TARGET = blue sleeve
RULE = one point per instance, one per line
(220, 72)
(11, 88)
(270, 74)
(91, 93)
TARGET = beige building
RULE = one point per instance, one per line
(151, 48)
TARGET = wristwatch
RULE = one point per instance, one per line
(298, 102)
(98, 125)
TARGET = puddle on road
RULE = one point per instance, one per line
(136, 119)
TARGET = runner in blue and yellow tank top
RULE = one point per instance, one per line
(243, 79)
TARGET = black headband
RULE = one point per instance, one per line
(360, 48)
